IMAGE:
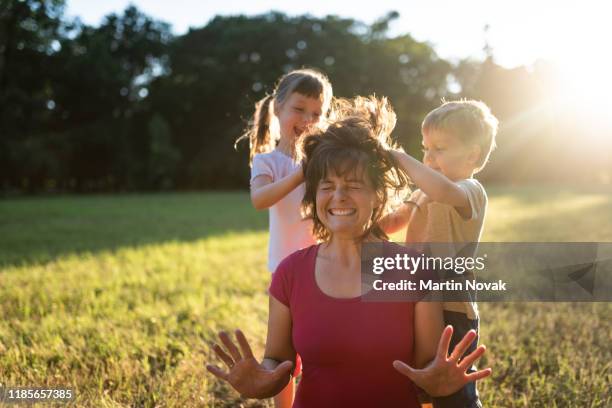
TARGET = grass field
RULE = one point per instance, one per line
(119, 297)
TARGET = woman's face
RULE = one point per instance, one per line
(345, 203)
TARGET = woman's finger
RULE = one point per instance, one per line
(473, 356)
(406, 370)
(283, 369)
(223, 356)
(478, 375)
(463, 345)
(231, 347)
(217, 372)
(444, 342)
(244, 344)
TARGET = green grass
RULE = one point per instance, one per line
(120, 296)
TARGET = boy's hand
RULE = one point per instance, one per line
(445, 374)
(433, 183)
(397, 155)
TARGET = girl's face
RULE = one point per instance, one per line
(298, 113)
(345, 203)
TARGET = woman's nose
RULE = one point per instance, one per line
(340, 193)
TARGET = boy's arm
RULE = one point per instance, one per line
(437, 186)
(396, 220)
(265, 193)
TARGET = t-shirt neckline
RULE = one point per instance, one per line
(286, 156)
(313, 277)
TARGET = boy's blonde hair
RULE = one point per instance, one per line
(471, 121)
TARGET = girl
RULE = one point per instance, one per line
(300, 101)
(353, 350)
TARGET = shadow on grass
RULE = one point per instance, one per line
(39, 230)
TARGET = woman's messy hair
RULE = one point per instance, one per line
(357, 138)
(308, 82)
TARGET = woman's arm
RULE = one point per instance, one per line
(437, 186)
(250, 378)
(446, 374)
(428, 326)
(265, 193)
(279, 345)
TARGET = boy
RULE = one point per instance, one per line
(449, 205)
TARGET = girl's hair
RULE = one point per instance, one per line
(357, 139)
(307, 82)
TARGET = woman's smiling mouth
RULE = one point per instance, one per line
(342, 211)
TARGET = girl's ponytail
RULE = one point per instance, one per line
(258, 132)
(307, 82)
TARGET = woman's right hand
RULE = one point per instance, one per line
(250, 378)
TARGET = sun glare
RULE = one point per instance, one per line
(586, 83)
(584, 66)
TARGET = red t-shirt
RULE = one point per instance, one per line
(347, 346)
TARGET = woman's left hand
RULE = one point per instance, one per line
(445, 374)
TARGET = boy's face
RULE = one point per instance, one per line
(445, 153)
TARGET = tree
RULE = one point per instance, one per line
(218, 72)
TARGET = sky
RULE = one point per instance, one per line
(520, 31)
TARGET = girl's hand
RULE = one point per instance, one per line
(246, 375)
(300, 173)
(445, 374)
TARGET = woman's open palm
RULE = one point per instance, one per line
(446, 374)
(246, 375)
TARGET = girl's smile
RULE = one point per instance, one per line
(298, 113)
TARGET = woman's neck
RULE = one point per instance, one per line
(343, 251)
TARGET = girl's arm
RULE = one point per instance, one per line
(265, 193)
(250, 378)
(437, 186)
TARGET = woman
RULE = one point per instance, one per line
(352, 351)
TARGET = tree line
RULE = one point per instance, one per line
(128, 106)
